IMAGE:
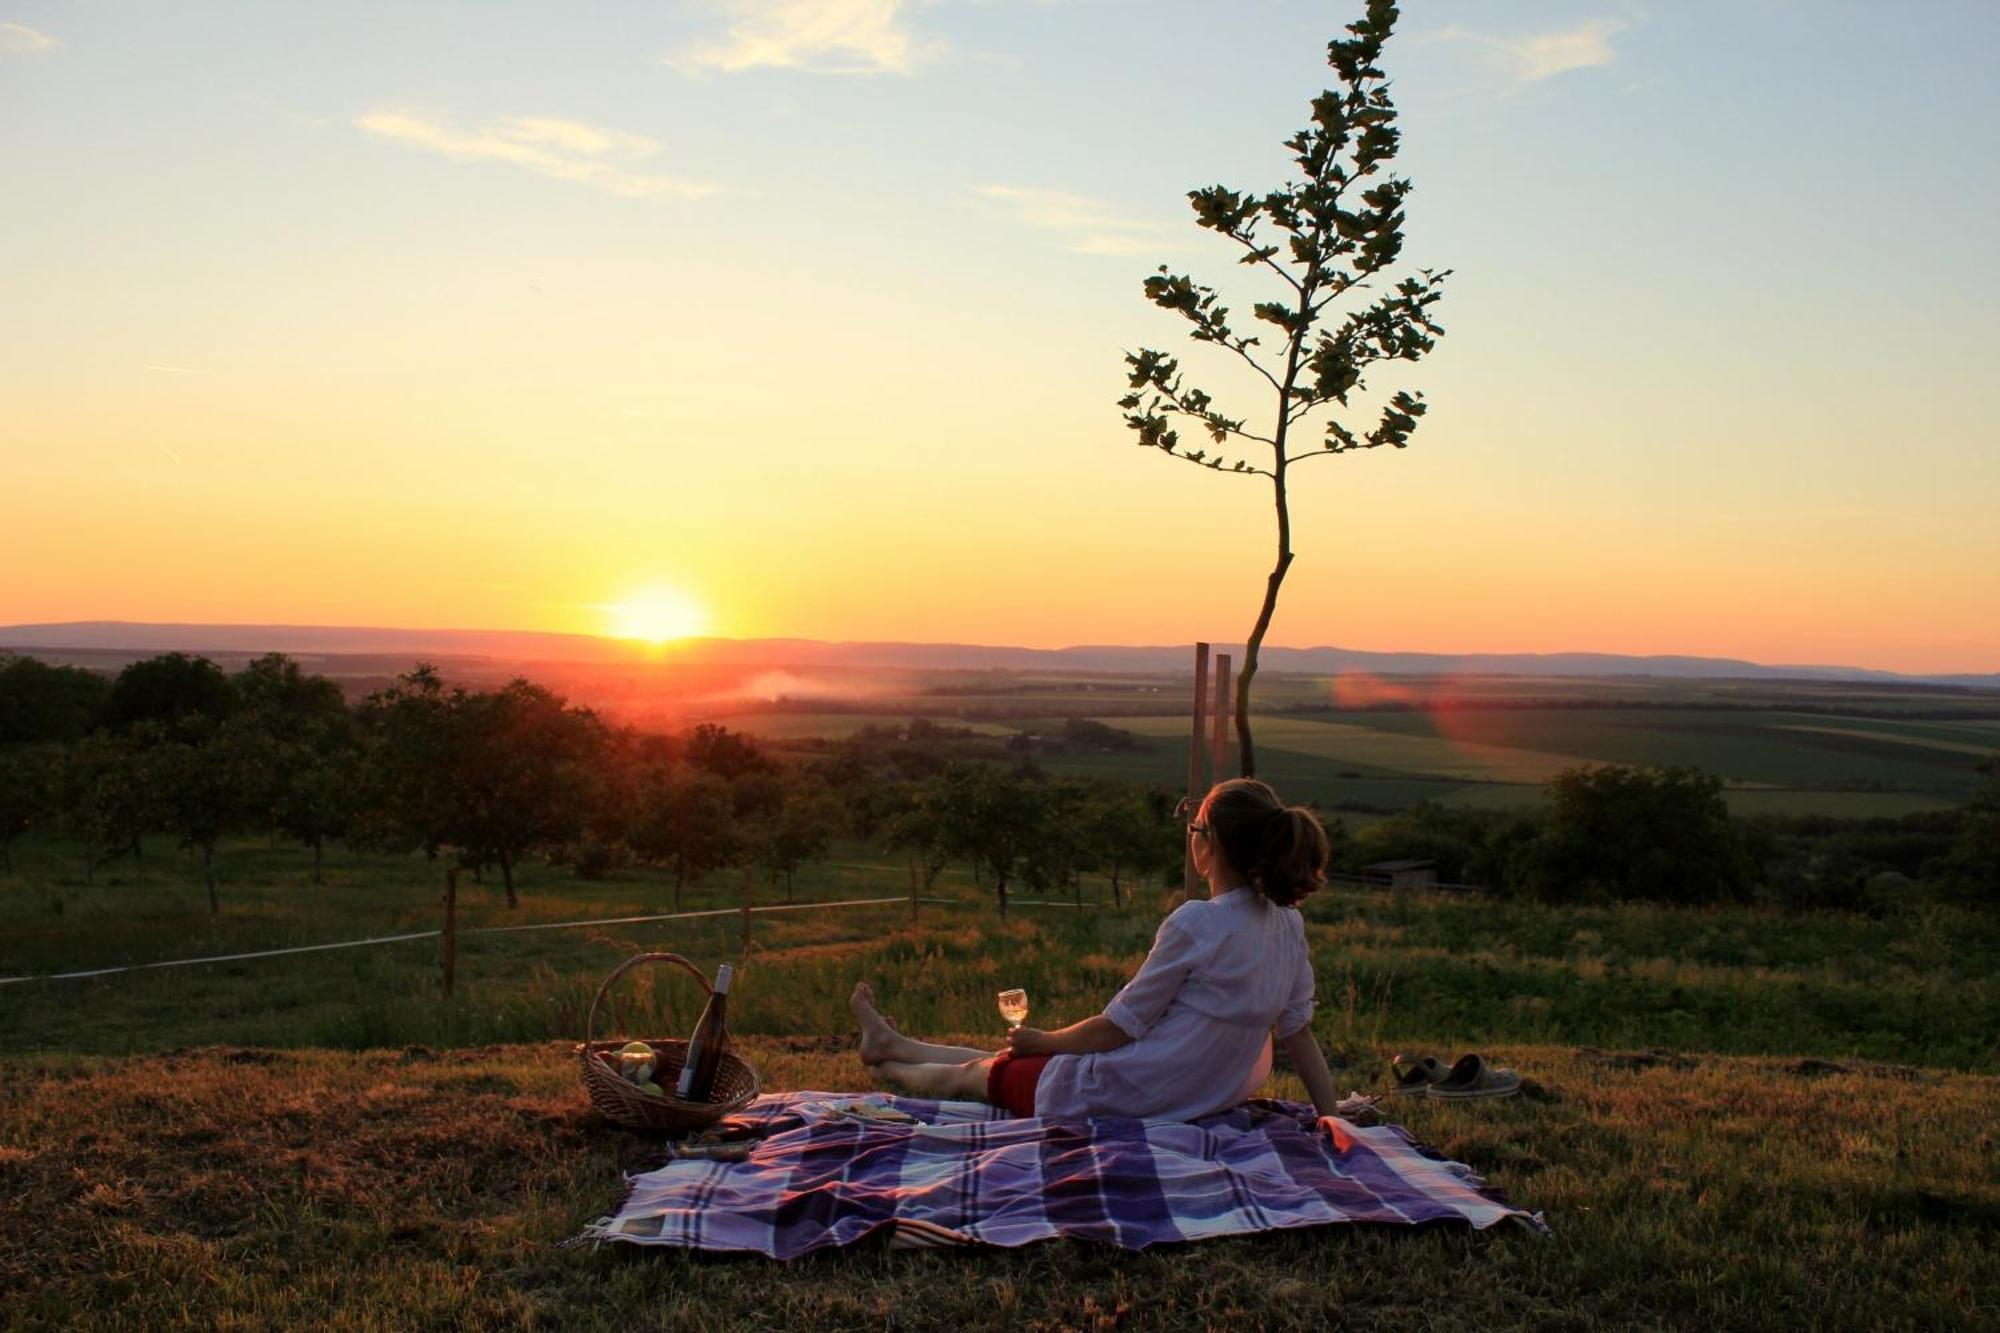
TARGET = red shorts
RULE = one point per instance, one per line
(1010, 1084)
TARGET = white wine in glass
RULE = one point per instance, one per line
(1014, 1007)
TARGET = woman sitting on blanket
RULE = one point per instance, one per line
(1190, 1034)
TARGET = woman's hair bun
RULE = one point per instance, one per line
(1281, 849)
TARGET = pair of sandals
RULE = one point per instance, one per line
(1471, 1077)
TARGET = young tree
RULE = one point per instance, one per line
(1323, 236)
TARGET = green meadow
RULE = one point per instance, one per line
(1734, 1117)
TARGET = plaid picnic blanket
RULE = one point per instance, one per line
(965, 1173)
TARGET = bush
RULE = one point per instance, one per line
(1613, 831)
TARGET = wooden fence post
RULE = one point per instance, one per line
(1197, 748)
(913, 897)
(448, 940)
(749, 896)
(1218, 746)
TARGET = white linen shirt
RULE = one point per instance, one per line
(1223, 971)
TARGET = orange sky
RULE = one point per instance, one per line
(297, 332)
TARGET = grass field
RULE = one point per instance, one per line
(420, 1188)
(1798, 1131)
(1916, 987)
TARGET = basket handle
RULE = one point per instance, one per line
(590, 1020)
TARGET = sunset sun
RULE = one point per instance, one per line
(657, 616)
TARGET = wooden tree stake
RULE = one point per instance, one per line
(1196, 787)
(1218, 743)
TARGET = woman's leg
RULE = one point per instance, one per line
(947, 1082)
(881, 1043)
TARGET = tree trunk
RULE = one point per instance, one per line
(507, 874)
(1116, 901)
(1000, 887)
(1276, 580)
(208, 874)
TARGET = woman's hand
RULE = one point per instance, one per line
(1030, 1041)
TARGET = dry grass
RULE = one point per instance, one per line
(232, 1188)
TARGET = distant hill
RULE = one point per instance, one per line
(532, 646)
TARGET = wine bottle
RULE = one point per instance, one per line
(711, 1034)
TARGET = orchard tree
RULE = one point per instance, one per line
(1333, 231)
(408, 776)
(39, 702)
(103, 797)
(200, 785)
(520, 761)
(172, 689)
(686, 819)
(801, 829)
(24, 796)
(1133, 833)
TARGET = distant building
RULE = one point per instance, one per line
(1402, 874)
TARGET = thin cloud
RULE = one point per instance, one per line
(18, 39)
(563, 149)
(1532, 59)
(815, 36)
(1088, 225)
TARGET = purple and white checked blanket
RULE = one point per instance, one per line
(968, 1174)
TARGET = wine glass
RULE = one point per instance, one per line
(1014, 1007)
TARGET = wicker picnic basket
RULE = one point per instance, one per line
(625, 1104)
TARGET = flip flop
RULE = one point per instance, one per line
(1472, 1077)
(1414, 1074)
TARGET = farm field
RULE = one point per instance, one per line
(1780, 750)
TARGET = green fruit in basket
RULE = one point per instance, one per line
(636, 1048)
(653, 1088)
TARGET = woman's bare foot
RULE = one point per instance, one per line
(878, 1039)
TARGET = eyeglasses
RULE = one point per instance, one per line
(1184, 809)
(1197, 828)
